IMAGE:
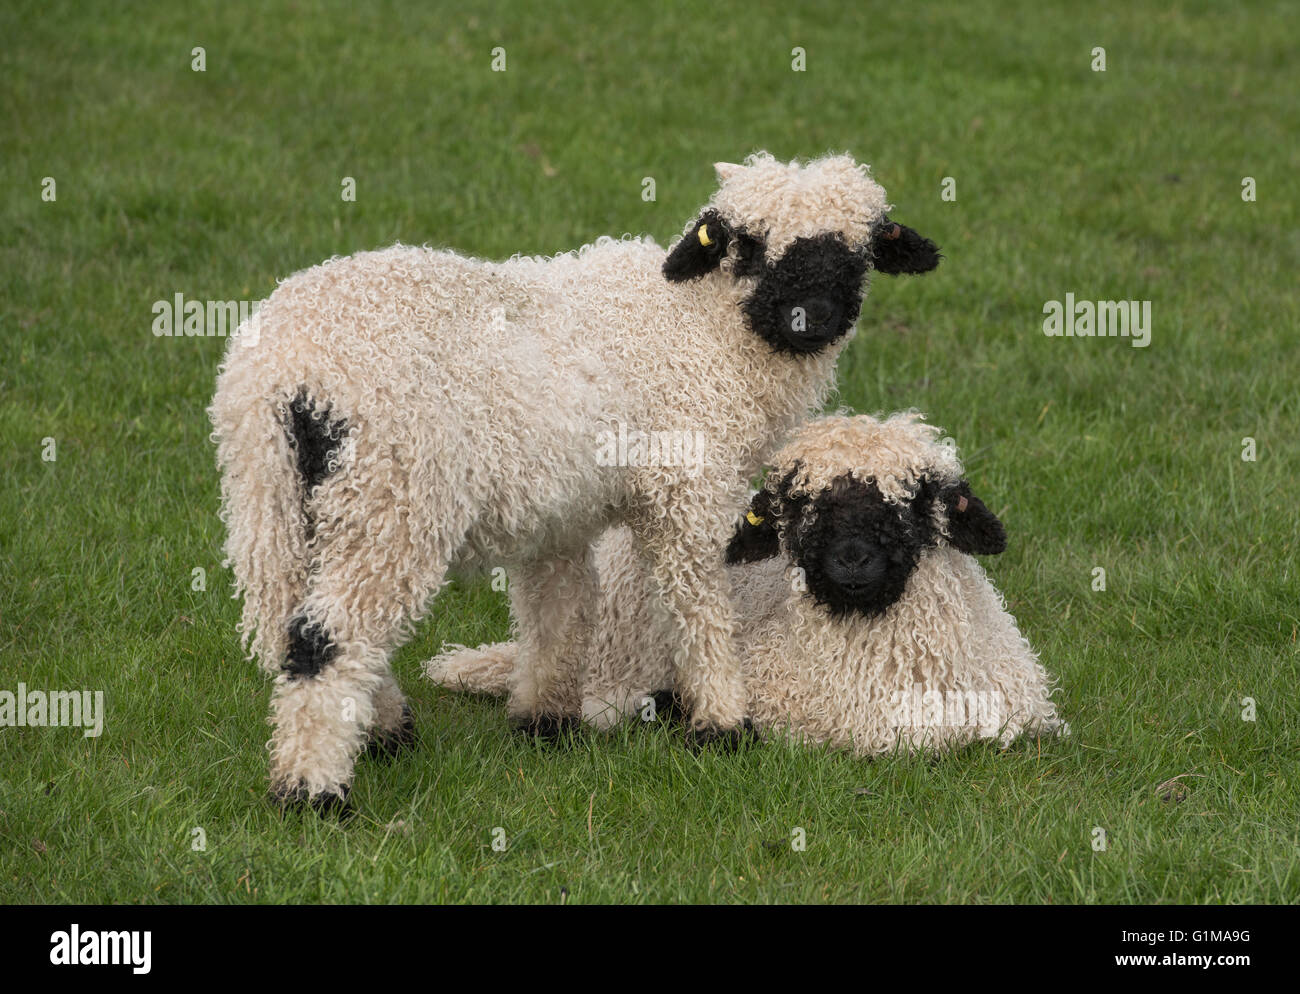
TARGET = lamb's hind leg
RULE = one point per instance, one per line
(321, 710)
(337, 692)
(394, 726)
(553, 603)
(373, 570)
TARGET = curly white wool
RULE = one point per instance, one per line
(944, 665)
(473, 394)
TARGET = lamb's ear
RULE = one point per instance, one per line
(726, 170)
(756, 536)
(972, 527)
(896, 249)
(700, 251)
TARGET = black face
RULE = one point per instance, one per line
(810, 296)
(856, 550)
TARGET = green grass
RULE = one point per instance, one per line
(1122, 184)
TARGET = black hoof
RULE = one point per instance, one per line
(328, 803)
(385, 743)
(547, 727)
(724, 739)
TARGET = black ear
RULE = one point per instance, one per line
(972, 527)
(898, 249)
(700, 251)
(756, 536)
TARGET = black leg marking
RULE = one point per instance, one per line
(386, 743)
(310, 648)
(316, 439)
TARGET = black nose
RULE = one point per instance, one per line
(820, 311)
(854, 563)
(851, 554)
(813, 317)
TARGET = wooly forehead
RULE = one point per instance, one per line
(782, 201)
(894, 453)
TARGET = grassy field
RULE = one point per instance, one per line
(1122, 184)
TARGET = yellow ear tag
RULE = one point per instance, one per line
(705, 240)
(754, 519)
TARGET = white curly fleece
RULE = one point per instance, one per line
(944, 665)
(474, 396)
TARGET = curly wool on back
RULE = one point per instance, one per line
(940, 664)
(388, 417)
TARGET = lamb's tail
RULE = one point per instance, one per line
(262, 505)
(485, 670)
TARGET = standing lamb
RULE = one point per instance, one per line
(393, 415)
(863, 620)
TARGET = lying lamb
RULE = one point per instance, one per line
(401, 413)
(863, 620)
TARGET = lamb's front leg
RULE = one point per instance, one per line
(553, 602)
(686, 550)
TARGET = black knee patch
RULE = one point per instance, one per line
(310, 648)
(316, 438)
